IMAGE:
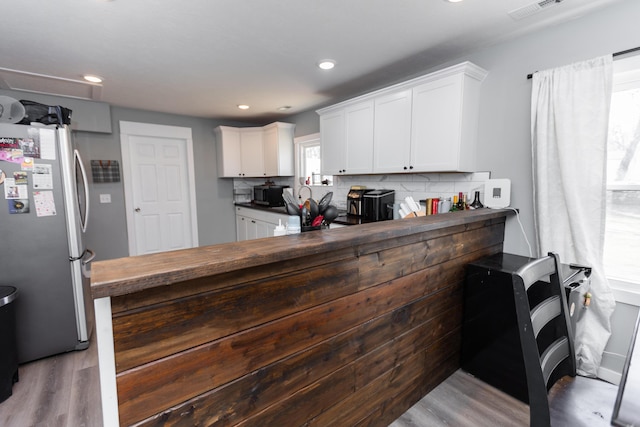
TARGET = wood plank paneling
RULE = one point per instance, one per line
(374, 325)
(155, 386)
(163, 294)
(150, 333)
(164, 329)
(242, 398)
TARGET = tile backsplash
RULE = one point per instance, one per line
(419, 186)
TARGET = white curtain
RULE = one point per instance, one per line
(569, 124)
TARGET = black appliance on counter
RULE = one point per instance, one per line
(355, 202)
(375, 206)
(269, 195)
(490, 339)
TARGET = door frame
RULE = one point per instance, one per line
(128, 129)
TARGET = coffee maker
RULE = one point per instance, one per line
(354, 200)
(375, 206)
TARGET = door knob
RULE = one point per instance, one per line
(137, 209)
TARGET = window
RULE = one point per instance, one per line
(309, 166)
(310, 161)
(622, 230)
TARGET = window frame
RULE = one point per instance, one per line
(626, 76)
(300, 143)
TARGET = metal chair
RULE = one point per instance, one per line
(545, 331)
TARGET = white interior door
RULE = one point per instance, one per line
(159, 187)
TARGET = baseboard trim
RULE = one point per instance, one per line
(609, 375)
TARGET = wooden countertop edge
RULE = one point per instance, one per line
(132, 274)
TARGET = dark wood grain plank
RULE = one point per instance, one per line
(148, 334)
(163, 294)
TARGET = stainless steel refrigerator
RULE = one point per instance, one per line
(44, 207)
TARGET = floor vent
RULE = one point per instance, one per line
(532, 9)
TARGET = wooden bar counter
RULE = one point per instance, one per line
(343, 327)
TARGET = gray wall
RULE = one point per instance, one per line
(107, 233)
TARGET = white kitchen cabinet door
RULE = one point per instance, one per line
(332, 143)
(359, 138)
(278, 149)
(252, 150)
(256, 223)
(228, 152)
(252, 228)
(264, 229)
(392, 133)
(436, 125)
(241, 228)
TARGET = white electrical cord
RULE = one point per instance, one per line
(522, 229)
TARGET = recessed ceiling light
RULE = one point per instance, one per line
(453, 1)
(92, 78)
(243, 106)
(327, 64)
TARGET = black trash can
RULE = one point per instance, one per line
(8, 350)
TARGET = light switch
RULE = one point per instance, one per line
(105, 198)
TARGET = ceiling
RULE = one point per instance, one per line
(204, 57)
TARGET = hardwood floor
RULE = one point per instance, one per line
(465, 401)
(63, 391)
(57, 391)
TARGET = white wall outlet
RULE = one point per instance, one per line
(105, 198)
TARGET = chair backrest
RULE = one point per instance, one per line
(545, 331)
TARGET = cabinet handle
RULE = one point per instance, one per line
(253, 221)
(405, 168)
(410, 167)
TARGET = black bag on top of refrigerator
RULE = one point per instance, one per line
(46, 114)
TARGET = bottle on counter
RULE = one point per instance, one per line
(476, 201)
(454, 205)
(460, 205)
(280, 230)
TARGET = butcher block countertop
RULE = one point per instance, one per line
(132, 274)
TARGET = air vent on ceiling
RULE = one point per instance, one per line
(532, 9)
(49, 85)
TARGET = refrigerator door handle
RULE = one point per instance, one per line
(92, 255)
(78, 161)
(86, 272)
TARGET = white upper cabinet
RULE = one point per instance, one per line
(278, 149)
(392, 139)
(359, 138)
(229, 156)
(256, 151)
(346, 137)
(251, 147)
(333, 154)
(427, 124)
(444, 124)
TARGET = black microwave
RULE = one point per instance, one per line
(268, 195)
